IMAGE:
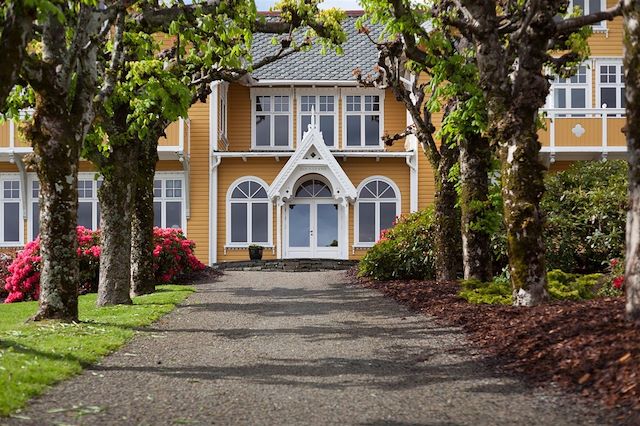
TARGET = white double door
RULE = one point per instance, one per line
(312, 229)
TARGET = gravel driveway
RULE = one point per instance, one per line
(296, 348)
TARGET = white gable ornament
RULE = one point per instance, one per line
(312, 156)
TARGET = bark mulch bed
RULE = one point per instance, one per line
(207, 275)
(585, 347)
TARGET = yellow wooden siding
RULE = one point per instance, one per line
(239, 121)
(609, 42)
(5, 141)
(172, 133)
(395, 120)
(198, 224)
(359, 169)
(8, 168)
(229, 170)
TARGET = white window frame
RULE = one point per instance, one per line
(95, 219)
(361, 92)
(229, 243)
(377, 201)
(271, 91)
(5, 177)
(317, 92)
(600, 26)
(163, 199)
(569, 85)
(619, 84)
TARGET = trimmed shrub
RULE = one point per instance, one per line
(173, 256)
(585, 209)
(405, 251)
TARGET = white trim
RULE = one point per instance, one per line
(598, 27)
(361, 92)
(254, 92)
(617, 62)
(568, 85)
(213, 209)
(266, 82)
(350, 153)
(317, 92)
(269, 242)
(356, 214)
(12, 177)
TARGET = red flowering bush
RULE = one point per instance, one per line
(614, 285)
(5, 261)
(24, 282)
(173, 255)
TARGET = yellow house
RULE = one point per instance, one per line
(293, 159)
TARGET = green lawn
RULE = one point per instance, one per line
(33, 356)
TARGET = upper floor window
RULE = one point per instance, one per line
(572, 92)
(10, 232)
(325, 109)
(168, 196)
(271, 120)
(363, 120)
(248, 213)
(588, 7)
(377, 206)
(610, 82)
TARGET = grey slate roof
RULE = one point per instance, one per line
(312, 64)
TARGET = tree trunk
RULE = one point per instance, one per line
(632, 77)
(142, 274)
(447, 217)
(57, 156)
(475, 162)
(117, 197)
(522, 189)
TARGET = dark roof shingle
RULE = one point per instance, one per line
(359, 52)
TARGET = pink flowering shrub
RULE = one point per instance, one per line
(5, 261)
(24, 282)
(173, 255)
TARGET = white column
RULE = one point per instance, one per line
(213, 209)
(279, 203)
(344, 251)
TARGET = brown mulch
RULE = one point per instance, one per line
(585, 347)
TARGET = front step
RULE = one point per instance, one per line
(289, 265)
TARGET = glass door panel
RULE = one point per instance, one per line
(299, 225)
(327, 225)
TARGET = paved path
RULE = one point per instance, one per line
(296, 348)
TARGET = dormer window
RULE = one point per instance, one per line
(271, 119)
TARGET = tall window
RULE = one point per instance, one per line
(610, 81)
(248, 214)
(363, 120)
(572, 92)
(88, 205)
(325, 109)
(376, 209)
(588, 7)
(10, 211)
(167, 202)
(272, 121)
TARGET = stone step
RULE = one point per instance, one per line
(292, 265)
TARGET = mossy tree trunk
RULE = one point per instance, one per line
(117, 199)
(142, 274)
(57, 151)
(475, 163)
(632, 77)
(447, 216)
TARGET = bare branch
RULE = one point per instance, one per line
(117, 58)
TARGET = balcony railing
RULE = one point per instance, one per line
(583, 130)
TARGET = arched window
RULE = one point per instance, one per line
(377, 207)
(248, 213)
(313, 188)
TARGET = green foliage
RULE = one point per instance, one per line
(562, 286)
(405, 251)
(585, 208)
(33, 356)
